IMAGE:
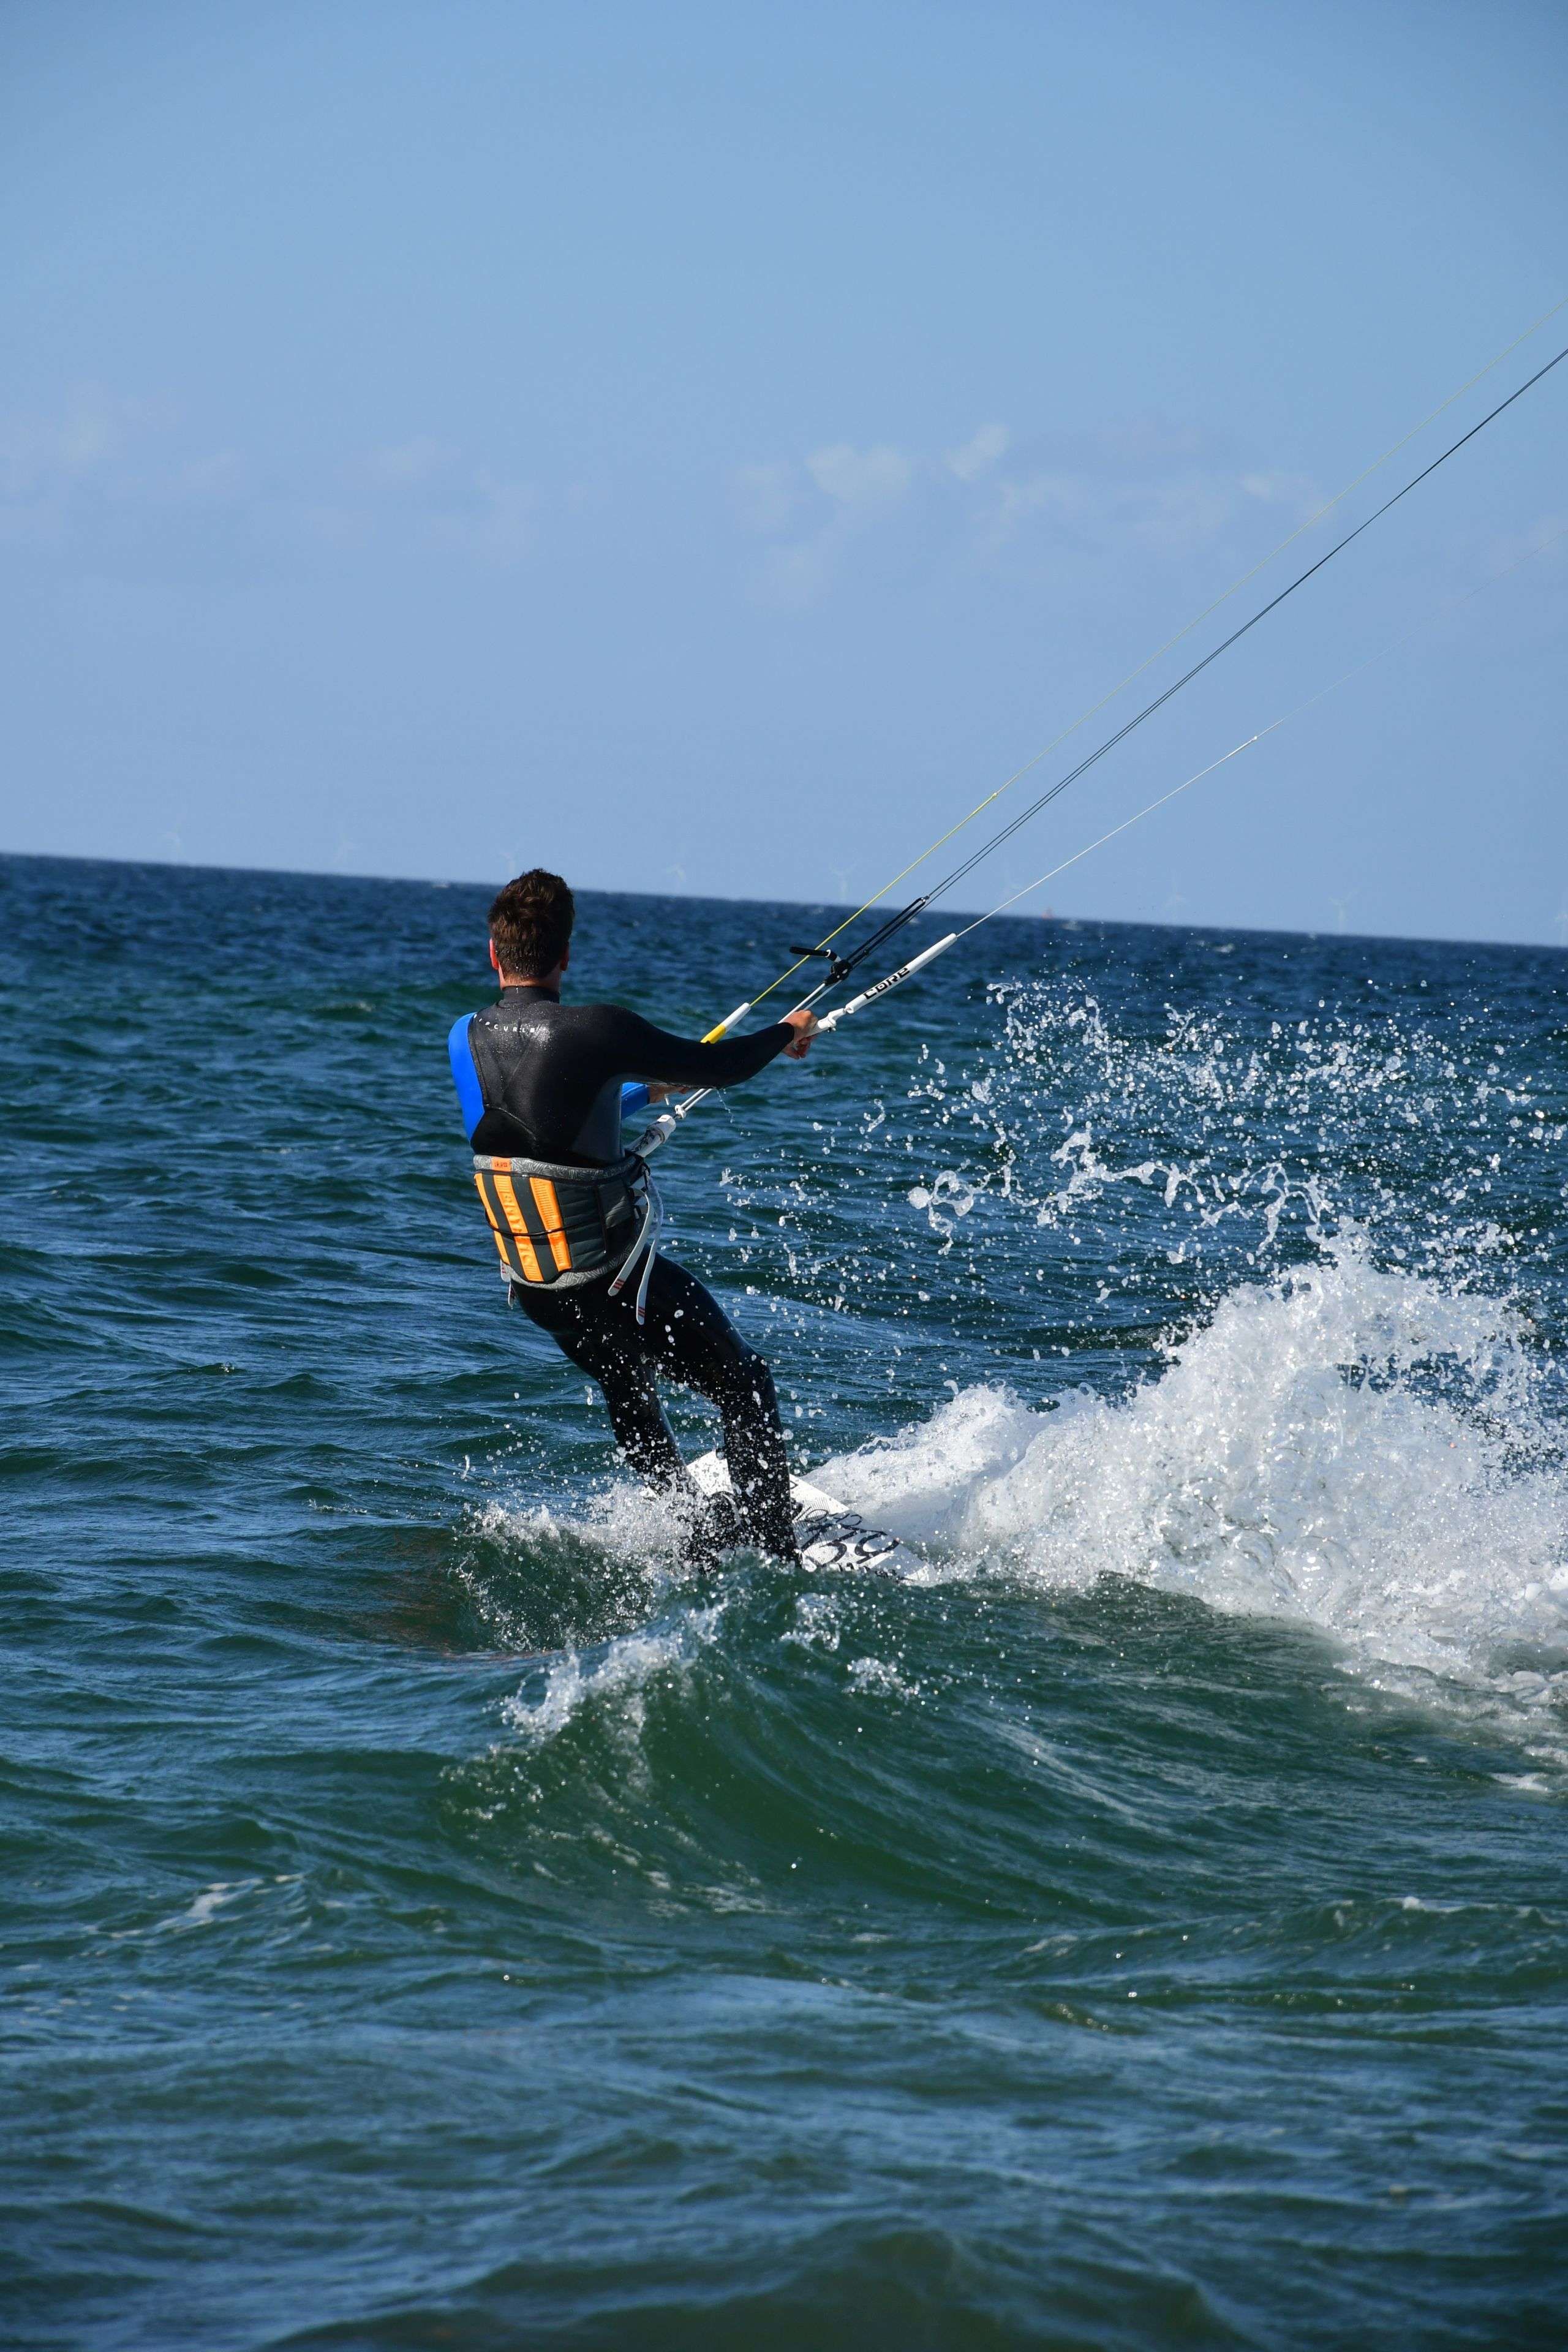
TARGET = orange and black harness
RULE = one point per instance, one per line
(561, 1226)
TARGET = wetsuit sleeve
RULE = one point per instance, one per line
(649, 1053)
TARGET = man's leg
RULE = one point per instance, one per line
(696, 1343)
(591, 1328)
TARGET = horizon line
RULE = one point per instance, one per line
(724, 899)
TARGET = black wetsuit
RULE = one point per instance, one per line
(550, 1078)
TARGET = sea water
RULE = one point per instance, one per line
(434, 1916)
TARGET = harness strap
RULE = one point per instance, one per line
(646, 1246)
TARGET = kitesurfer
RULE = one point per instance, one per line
(542, 1086)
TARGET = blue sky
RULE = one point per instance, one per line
(708, 447)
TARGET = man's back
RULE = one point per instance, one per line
(549, 1075)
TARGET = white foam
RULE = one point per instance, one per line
(203, 1908)
(1359, 1450)
(816, 1623)
(626, 1519)
(877, 1678)
(621, 1674)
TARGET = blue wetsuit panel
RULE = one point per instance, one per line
(465, 1077)
(634, 1096)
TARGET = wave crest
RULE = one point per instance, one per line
(1357, 1448)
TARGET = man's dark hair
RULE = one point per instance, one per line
(531, 922)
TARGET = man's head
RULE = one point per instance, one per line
(531, 927)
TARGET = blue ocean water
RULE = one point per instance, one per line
(433, 1917)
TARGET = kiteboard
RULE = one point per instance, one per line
(830, 1535)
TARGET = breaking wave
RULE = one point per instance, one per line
(1357, 1449)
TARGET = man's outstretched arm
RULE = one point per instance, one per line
(664, 1059)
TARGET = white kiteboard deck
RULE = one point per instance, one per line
(830, 1535)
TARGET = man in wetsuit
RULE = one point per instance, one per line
(541, 1086)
